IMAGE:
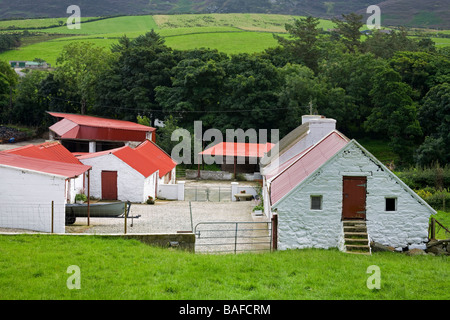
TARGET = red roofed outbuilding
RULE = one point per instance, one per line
(32, 179)
(83, 133)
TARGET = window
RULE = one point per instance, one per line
(316, 202)
(391, 204)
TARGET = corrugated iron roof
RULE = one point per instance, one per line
(92, 121)
(67, 170)
(128, 155)
(156, 157)
(238, 149)
(305, 164)
(52, 150)
(83, 127)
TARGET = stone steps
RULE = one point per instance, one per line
(356, 239)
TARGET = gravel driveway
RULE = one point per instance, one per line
(169, 217)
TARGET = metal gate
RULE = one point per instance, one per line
(202, 193)
(221, 237)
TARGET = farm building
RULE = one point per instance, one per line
(129, 174)
(88, 134)
(334, 193)
(54, 151)
(238, 157)
(33, 191)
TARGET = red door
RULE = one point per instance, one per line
(109, 185)
(354, 198)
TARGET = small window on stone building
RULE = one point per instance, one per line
(316, 202)
(391, 204)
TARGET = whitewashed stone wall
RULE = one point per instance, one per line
(26, 198)
(131, 185)
(301, 227)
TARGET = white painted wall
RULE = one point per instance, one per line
(301, 227)
(75, 186)
(26, 198)
(131, 185)
(171, 191)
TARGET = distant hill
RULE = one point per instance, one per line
(413, 13)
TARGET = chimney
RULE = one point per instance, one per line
(319, 127)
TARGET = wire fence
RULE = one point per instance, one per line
(163, 217)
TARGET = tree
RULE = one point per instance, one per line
(195, 91)
(349, 30)
(128, 88)
(435, 121)
(394, 114)
(29, 107)
(385, 45)
(301, 44)
(79, 67)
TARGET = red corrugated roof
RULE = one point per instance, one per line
(52, 150)
(239, 149)
(67, 170)
(128, 155)
(156, 157)
(92, 121)
(76, 126)
(305, 164)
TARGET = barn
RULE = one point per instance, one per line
(335, 193)
(83, 133)
(121, 174)
(33, 191)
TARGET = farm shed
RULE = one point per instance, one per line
(238, 157)
(336, 189)
(121, 174)
(88, 134)
(54, 151)
(29, 186)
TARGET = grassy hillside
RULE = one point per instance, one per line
(229, 33)
(35, 267)
(395, 12)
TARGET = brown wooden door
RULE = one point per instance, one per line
(109, 185)
(354, 198)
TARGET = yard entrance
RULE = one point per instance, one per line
(233, 237)
(207, 193)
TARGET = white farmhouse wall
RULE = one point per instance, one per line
(301, 227)
(130, 183)
(26, 198)
(150, 186)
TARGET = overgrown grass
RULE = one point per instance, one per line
(35, 267)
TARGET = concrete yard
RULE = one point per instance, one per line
(169, 217)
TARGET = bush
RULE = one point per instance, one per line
(150, 200)
(438, 199)
(419, 178)
(80, 197)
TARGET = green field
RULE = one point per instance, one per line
(229, 33)
(35, 267)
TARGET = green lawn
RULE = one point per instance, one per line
(35, 267)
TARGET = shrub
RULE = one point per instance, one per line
(150, 200)
(80, 197)
(438, 199)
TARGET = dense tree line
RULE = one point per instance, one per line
(388, 86)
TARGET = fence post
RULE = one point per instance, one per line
(235, 237)
(190, 210)
(125, 218)
(433, 229)
(53, 213)
(274, 231)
